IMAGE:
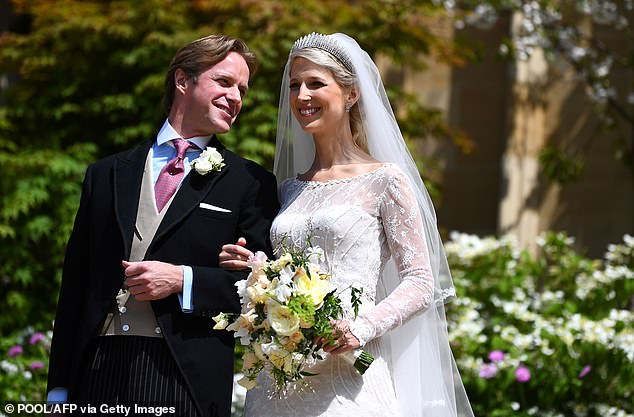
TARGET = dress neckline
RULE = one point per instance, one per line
(341, 180)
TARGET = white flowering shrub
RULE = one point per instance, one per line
(551, 335)
(24, 365)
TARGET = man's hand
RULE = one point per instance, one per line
(152, 280)
(234, 257)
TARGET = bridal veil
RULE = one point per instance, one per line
(426, 378)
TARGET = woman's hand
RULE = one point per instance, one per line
(234, 257)
(345, 341)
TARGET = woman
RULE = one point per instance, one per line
(360, 198)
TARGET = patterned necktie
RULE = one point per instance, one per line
(171, 175)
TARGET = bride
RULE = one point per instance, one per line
(348, 181)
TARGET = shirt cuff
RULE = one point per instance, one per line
(57, 395)
(185, 297)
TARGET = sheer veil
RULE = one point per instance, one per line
(426, 378)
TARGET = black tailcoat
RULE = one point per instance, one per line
(188, 235)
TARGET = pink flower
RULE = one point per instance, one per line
(488, 371)
(35, 365)
(496, 356)
(36, 337)
(585, 371)
(522, 374)
(15, 351)
(257, 260)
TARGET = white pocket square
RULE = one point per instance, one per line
(214, 208)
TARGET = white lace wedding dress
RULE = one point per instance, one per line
(359, 222)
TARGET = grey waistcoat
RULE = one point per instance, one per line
(131, 317)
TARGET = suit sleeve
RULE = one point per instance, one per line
(71, 293)
(213, 288)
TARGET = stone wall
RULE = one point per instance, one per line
(510, 110)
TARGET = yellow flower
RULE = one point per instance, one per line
(281, 263)
(244, 321)
(296, 337)
(281, 359)
(299, 274)
(247, 383)
(305, 324)
(293, 340)
(283, 320)
(258, 278)
(221, 321)
(257, 350)
(315, 287)
(249, 359)
(256, 293)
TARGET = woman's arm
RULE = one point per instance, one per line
(404, 230)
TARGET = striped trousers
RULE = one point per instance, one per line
(133, 370)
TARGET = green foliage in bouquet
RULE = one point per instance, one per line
(288, 309)
(546, 335)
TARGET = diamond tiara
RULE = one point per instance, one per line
(325, 43)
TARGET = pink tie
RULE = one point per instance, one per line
(171, 174)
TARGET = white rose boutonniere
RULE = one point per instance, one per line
(209, 160)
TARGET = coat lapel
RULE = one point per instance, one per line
(190, 194)
(128, 173)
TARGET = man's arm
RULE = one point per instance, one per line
(71, 293)
(213, 289)
(153, 280)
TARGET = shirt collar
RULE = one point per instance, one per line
(168, 133)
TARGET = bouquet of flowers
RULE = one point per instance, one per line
(288, 306)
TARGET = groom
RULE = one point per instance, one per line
(141, 279)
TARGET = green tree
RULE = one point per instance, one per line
(89, 84)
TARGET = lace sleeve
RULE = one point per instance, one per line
(403, 229)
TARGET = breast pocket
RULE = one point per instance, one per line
(214, 211)
(210, 229)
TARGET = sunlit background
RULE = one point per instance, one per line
(520, 115)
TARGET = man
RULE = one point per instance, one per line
(141, 279)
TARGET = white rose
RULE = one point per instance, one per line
(283, 320)
(213, 155)
(209, 160)
(203, 166)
